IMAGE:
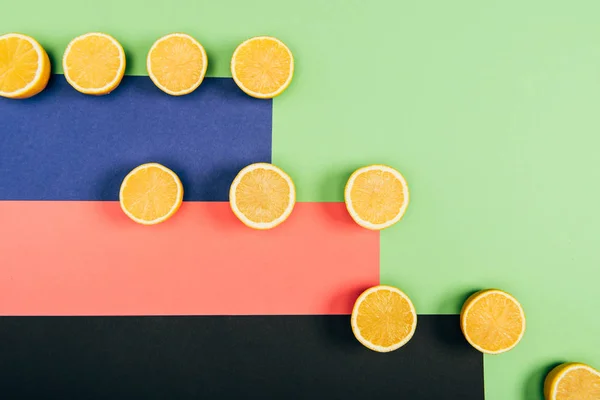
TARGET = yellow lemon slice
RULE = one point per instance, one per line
(570, 381)
(492, 321)
(94, 63)
(262, 67)
(24, 66)
(383, 318)
(376, 196)
(262, 196)
(177, 64)
(151, 194)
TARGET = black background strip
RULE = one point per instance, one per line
(242, 357)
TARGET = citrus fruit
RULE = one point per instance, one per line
(383, 318)
(177, 64)
(376, 196)
(24, 66)
(262, 67)
(151, 194)
(94, 63)
(492, 321)
(572, 381)
(262, 196)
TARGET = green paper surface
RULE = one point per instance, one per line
(490, 110)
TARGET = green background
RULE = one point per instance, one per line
(489, 109)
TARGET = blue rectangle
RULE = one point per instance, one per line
(64, 145)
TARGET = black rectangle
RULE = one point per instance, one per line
(245, 357)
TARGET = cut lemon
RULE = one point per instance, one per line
(572, 381)
(492, 321)
(262, 67)
(151, 194)
(383, 318)
(262, 196)
(177, 64)
(376, 196)
(24, 66)
(94, 63)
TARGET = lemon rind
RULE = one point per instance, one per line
(41, 53)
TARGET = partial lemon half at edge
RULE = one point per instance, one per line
(24, 66)
(572, 380)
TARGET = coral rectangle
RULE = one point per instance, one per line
(87, 258)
